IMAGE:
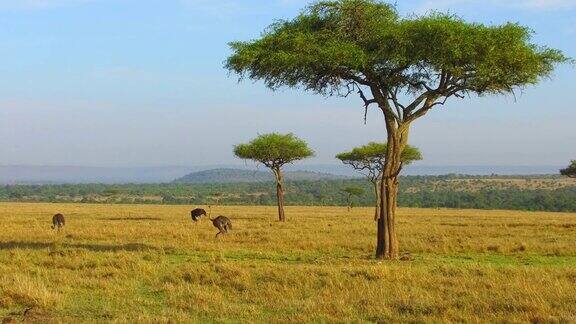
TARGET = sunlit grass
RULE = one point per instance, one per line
(151, 263)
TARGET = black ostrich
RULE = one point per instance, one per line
(199, 212)
(58, 221)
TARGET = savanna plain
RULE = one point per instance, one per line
(150, 263)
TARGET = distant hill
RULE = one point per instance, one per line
(23, 174)
(81, 174)
(238, 175)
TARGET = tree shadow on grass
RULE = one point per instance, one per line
(131, 218)
(263, 218)
(130, 247)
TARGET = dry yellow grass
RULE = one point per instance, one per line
(148, 263)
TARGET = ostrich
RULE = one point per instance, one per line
(199, 212)
(222, 223)
(58, 221)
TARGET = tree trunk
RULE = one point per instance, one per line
(280, 195)
(377, 200)
(348, 202)
(387, 246)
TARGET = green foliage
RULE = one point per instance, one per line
(350, 192)
(353, 191)
(410, 154)
(333, 43)
(274, 150)
(570, 171)
(415, 191)
(370, 157)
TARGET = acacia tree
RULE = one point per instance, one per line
(216, 196)
(570, 171)
(369, 160)
(274, 151)
(404, 66)
(352, 191)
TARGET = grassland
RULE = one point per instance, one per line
(149, 263)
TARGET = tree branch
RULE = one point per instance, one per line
(421, 84)
(367, 102)
(349, 75)
(399, 169)
(383, 103)
(400, 109)
(431, 101)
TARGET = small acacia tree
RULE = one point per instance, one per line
(370, 159)
(216, 196)
(404, 66)
(274, 151)
(352, 191)
(570, 171)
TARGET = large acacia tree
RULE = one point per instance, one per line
(369, 160)
(406, 67)
(274, 151)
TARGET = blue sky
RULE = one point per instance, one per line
(141, 83)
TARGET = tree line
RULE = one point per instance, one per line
(414, 191)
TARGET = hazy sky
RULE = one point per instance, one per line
(141, 83)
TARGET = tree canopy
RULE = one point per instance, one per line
(336, 47)
(570, 171)
(274, 150)
(370, 157)
(353, 191)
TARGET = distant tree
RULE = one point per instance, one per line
(405, 66)
(570, 171)
(274, 151)
(111, 192)
(350, 192)
(370, 159)
(216, 196)
(319, 196)
(168, 199)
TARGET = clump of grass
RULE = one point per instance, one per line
(24, 290)
(520, 248)
(493, 248)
